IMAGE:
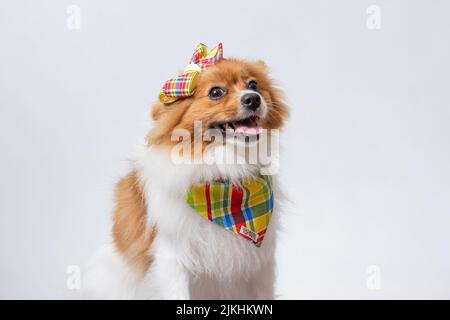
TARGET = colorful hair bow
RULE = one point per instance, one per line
(183, 85)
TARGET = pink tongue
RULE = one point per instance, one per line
(248, 130)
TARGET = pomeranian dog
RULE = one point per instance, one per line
(191, 221)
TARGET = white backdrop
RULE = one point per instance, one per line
(366, 151)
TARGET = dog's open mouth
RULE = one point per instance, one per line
(248, 127)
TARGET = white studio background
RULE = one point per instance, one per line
(366, 152)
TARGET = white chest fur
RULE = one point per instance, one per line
(199, 249)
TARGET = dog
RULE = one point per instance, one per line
(162, 248)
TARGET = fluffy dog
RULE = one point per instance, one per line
(163, 249)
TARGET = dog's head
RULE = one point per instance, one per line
(234, 98)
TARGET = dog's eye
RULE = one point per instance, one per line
(252, 85)
(216, 93)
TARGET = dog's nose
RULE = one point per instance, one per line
(251, 101)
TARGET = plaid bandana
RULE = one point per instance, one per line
(182, 86)
(244, 207)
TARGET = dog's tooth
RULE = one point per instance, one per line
(229, 126)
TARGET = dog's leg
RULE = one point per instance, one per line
(108, 276)
(167, 277)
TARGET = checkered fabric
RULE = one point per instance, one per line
(243, 207)
(183, 85)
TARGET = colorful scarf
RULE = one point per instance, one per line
(243, 207)
(183, 85)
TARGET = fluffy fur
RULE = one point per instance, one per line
(161, 248)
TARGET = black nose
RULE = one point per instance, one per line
(251, 101)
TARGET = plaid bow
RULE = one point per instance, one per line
(243, 207)
(182, 86)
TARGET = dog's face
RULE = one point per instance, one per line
(235, 98)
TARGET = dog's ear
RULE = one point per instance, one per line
(166, 117)
(157, 110)
(278, 110)
(176, 109)
(261, 64)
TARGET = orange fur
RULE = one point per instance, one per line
(130, 233)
